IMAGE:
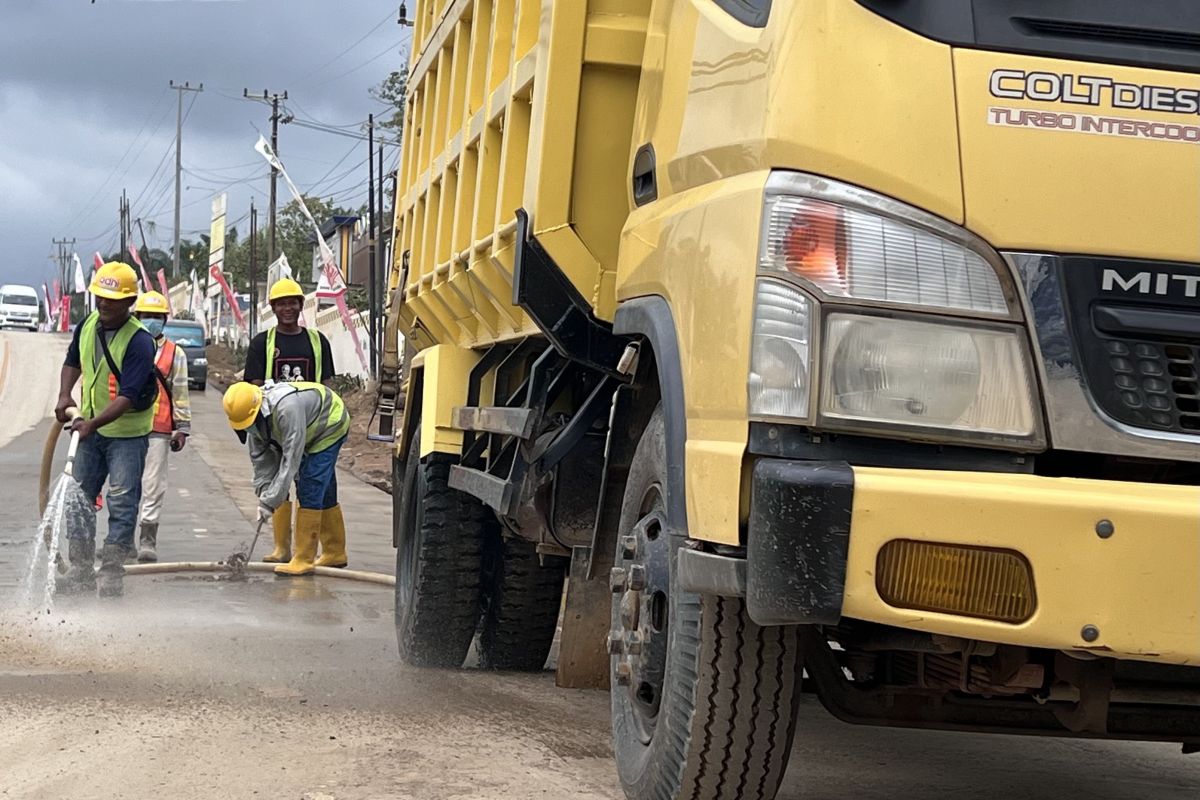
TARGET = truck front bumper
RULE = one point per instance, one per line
(1115, 567)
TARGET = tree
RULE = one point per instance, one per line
(391, 92)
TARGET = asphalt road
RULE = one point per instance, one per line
(192, 687)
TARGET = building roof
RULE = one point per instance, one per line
(330, 227)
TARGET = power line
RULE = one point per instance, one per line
(390, 49)
(357, 42)
(90, 205)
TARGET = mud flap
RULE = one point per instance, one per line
(583, 660)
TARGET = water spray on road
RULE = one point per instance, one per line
(66, 506)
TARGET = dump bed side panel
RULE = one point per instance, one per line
(512, 104)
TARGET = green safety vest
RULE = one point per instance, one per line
(313, 337)
(331, 424)
(100, 385)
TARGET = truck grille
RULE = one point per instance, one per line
(1152, 385)
(1135, 327)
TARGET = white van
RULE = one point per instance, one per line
(19, 306)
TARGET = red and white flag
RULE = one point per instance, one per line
(137, 259)
(162, 283)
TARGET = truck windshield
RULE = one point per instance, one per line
(18, 300)
(185, 335)
(1162, 35)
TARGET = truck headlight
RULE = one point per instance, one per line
(945, 378)
(780, 350)
(200, 362)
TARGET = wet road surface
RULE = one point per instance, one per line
(194, 687)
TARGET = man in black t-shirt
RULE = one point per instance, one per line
(285, 354)
(288, 352)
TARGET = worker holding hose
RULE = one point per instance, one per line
(114, 355)
(172, 418)
(295, 431)
(287, 352)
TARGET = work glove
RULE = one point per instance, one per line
(264, 513)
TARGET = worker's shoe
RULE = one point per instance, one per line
(333, 539)
(148, 543)
(308, 528)
(81, 576)
(281, 525)
(110, 578)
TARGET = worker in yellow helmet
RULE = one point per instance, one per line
(114, 355)
(287, 353)
(172, 418)
(295, 431)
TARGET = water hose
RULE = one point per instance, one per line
(167, 567)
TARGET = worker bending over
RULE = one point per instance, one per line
(172, 418)
(114, 355)
(286, 353)
(294, 431)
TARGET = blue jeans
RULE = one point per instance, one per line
(316, 484)
(120, 462)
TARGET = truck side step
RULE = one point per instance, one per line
(503, 420)
(493, 491)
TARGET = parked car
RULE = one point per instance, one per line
(190, 336)
(19, 306)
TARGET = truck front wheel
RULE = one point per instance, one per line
(440, 533)
(704, 701)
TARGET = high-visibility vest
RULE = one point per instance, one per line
(164, 407)
(100, 384)
(331, 423)
(314, 339)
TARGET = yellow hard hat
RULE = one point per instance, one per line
(284, 287)
(114, 281)
(242, 401)
(151, 303)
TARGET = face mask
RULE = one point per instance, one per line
(155, 326)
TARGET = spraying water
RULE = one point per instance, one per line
(67, 508)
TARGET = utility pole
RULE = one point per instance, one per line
(180, 89)
(65, 248)
(124, 214)
(371, 247)
(253, 269)
(276, 118)
(145, 247)
(381, 250)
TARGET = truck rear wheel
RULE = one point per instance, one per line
(704, 701)
(440, 533)
(521, 602)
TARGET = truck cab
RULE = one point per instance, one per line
(842, 346)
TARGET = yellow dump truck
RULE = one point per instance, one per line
(843, 346)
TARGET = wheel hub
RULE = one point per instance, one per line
(638, 639)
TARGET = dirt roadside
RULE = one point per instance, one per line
(370, 462)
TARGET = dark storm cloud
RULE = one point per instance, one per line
(85, 112)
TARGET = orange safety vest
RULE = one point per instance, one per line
(164, 416)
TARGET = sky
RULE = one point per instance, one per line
(86, 111)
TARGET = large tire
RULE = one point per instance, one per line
(521, 602)
(440, 534)
(707, 707)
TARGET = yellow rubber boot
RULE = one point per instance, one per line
(333, 539)
(281, 524)
(308, 528)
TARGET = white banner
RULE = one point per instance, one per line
(279, 269)
(80, 283)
